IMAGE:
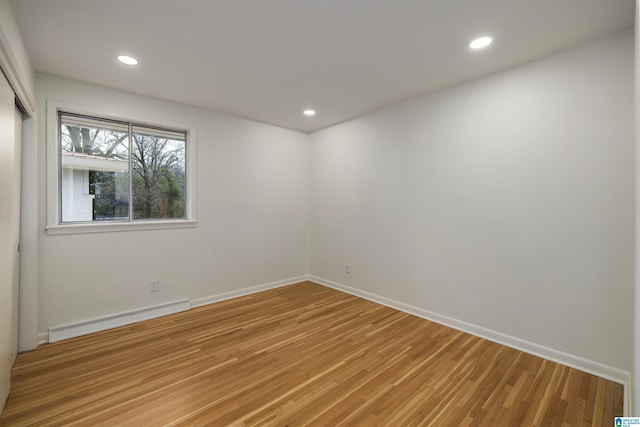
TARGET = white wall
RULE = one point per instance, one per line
(252, 208)
(506, 202)
(14, 58)
(30, 232)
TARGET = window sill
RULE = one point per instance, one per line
(119, 226)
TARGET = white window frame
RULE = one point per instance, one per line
(54, 221)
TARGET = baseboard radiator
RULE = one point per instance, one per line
(73, 330)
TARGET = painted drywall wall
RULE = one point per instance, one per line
(14, 58)
(506, 202)
(30, 233)
(252, 208)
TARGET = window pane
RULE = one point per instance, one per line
(94, 170)
(158, 162)
(113, 170)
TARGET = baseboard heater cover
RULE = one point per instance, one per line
(64, 332)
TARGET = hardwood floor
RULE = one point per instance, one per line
(299, 355)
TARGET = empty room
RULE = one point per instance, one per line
(319, 212)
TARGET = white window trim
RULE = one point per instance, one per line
(54, 224)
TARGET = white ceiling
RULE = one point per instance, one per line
(267, 60)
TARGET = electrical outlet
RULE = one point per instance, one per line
(347, 268)
(154, 285)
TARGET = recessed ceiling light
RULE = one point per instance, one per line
(128, 60)
(480, 42)
(309, 113)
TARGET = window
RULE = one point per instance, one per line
(119, 174)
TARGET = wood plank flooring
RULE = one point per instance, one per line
(298, 355)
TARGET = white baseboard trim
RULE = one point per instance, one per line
(570, 360)
(109, 322)
(43, 338)
(246, 291)
(91, 326)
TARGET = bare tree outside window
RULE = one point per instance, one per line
(96, 157)
(158, 177)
